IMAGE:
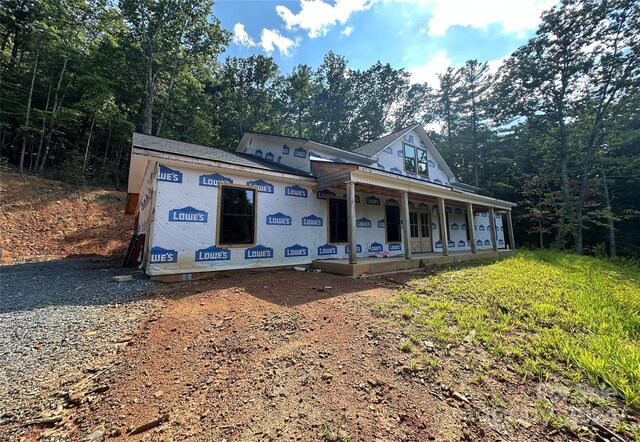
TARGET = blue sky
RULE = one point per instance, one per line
(422, 36)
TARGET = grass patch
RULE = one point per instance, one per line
(542, 311)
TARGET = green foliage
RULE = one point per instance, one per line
(546, 311)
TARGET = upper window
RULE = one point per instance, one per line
(338, 221)
(237, 216)
(415, 160)
(392, 223)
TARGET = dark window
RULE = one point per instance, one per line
(424, 225)
(392, 223)
(237, 216)
(423, 168)
(409, 158)
(448, 226)
(338, 221)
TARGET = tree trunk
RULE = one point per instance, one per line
(610, 226)
(54, 109)
(44, 123)
(167, 105)
(541, 234)
(26, 120)
(147, 115)
(86, 151)
(106, 149)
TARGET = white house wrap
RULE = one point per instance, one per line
(286, 202)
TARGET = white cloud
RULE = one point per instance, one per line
(513, 16)
(429, 71)
(317, 17)
(272, 39)
(240, 36)
(347, 31)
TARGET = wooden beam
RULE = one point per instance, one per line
(512, 242)
(471, 228)
(404, 214)
(492, 226)
(443, 227)
(351, 222)
(132, 203)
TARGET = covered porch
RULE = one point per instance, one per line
(418, 201)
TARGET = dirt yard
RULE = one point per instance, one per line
(45, 219)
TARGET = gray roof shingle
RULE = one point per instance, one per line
(209, 153)
(376, 146)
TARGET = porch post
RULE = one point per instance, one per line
(443, 227)
(512, 241)
(351, 222)
(406, 233)
(471, 228)
(492, 226)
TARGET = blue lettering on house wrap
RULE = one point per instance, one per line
(461, 243)
(279, 219)
(363, 222)
(438, 244)
(481, 228)
(263, 186)
(279, 159)
(479, 242)
(447, 209)
(411, 205)
(338, 160)
(392, 202)
(437, 181)
(296, 190)
(381, 223)
(388, 150)
(188, 215)
(285, 149)
(422, 143)
(169, 175)
(451, 243)
(502, 228)
(312, 154)
(411, 175)
(380, 166)
(258, 252)
(160, 255)
(372, 200)
(295, 251)
(327, 249)
(344, 195)
(501, 242)
(258, 153)
(423, 206)
(395, 170)
(213, 253)
(269, 156)
(358, 248)
(324, 194)
(300, 153)
(394, 247)
(484, 214)
(454, 226)
(431, 163)
(376, 247)
(433, 226)
(399, 153)
(487, 242)
(458, 211)
(408, 138)
(212, 180)
(312, 221)
(463, 227)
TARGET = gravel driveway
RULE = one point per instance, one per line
(58, 321)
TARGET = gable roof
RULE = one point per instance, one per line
(376, 146)
(166, 145)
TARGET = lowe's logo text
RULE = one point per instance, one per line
(312, 221)
(160, 255)
(375, 247)
(169, 175)
(212, 180)
(279, 219)
(298, 191)
(213, 253)
(188, 215)
(296, 250)
(327, 249)
(363, 222)
(258, 251)
(263, 186)
(394, 247)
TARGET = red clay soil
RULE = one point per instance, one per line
(289, 355)
(44, 219)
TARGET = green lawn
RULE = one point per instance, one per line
(543, 311)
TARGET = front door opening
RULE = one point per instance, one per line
(420, 228)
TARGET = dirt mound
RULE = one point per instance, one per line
(44, 219)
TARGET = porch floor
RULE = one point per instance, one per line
(370, 266)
